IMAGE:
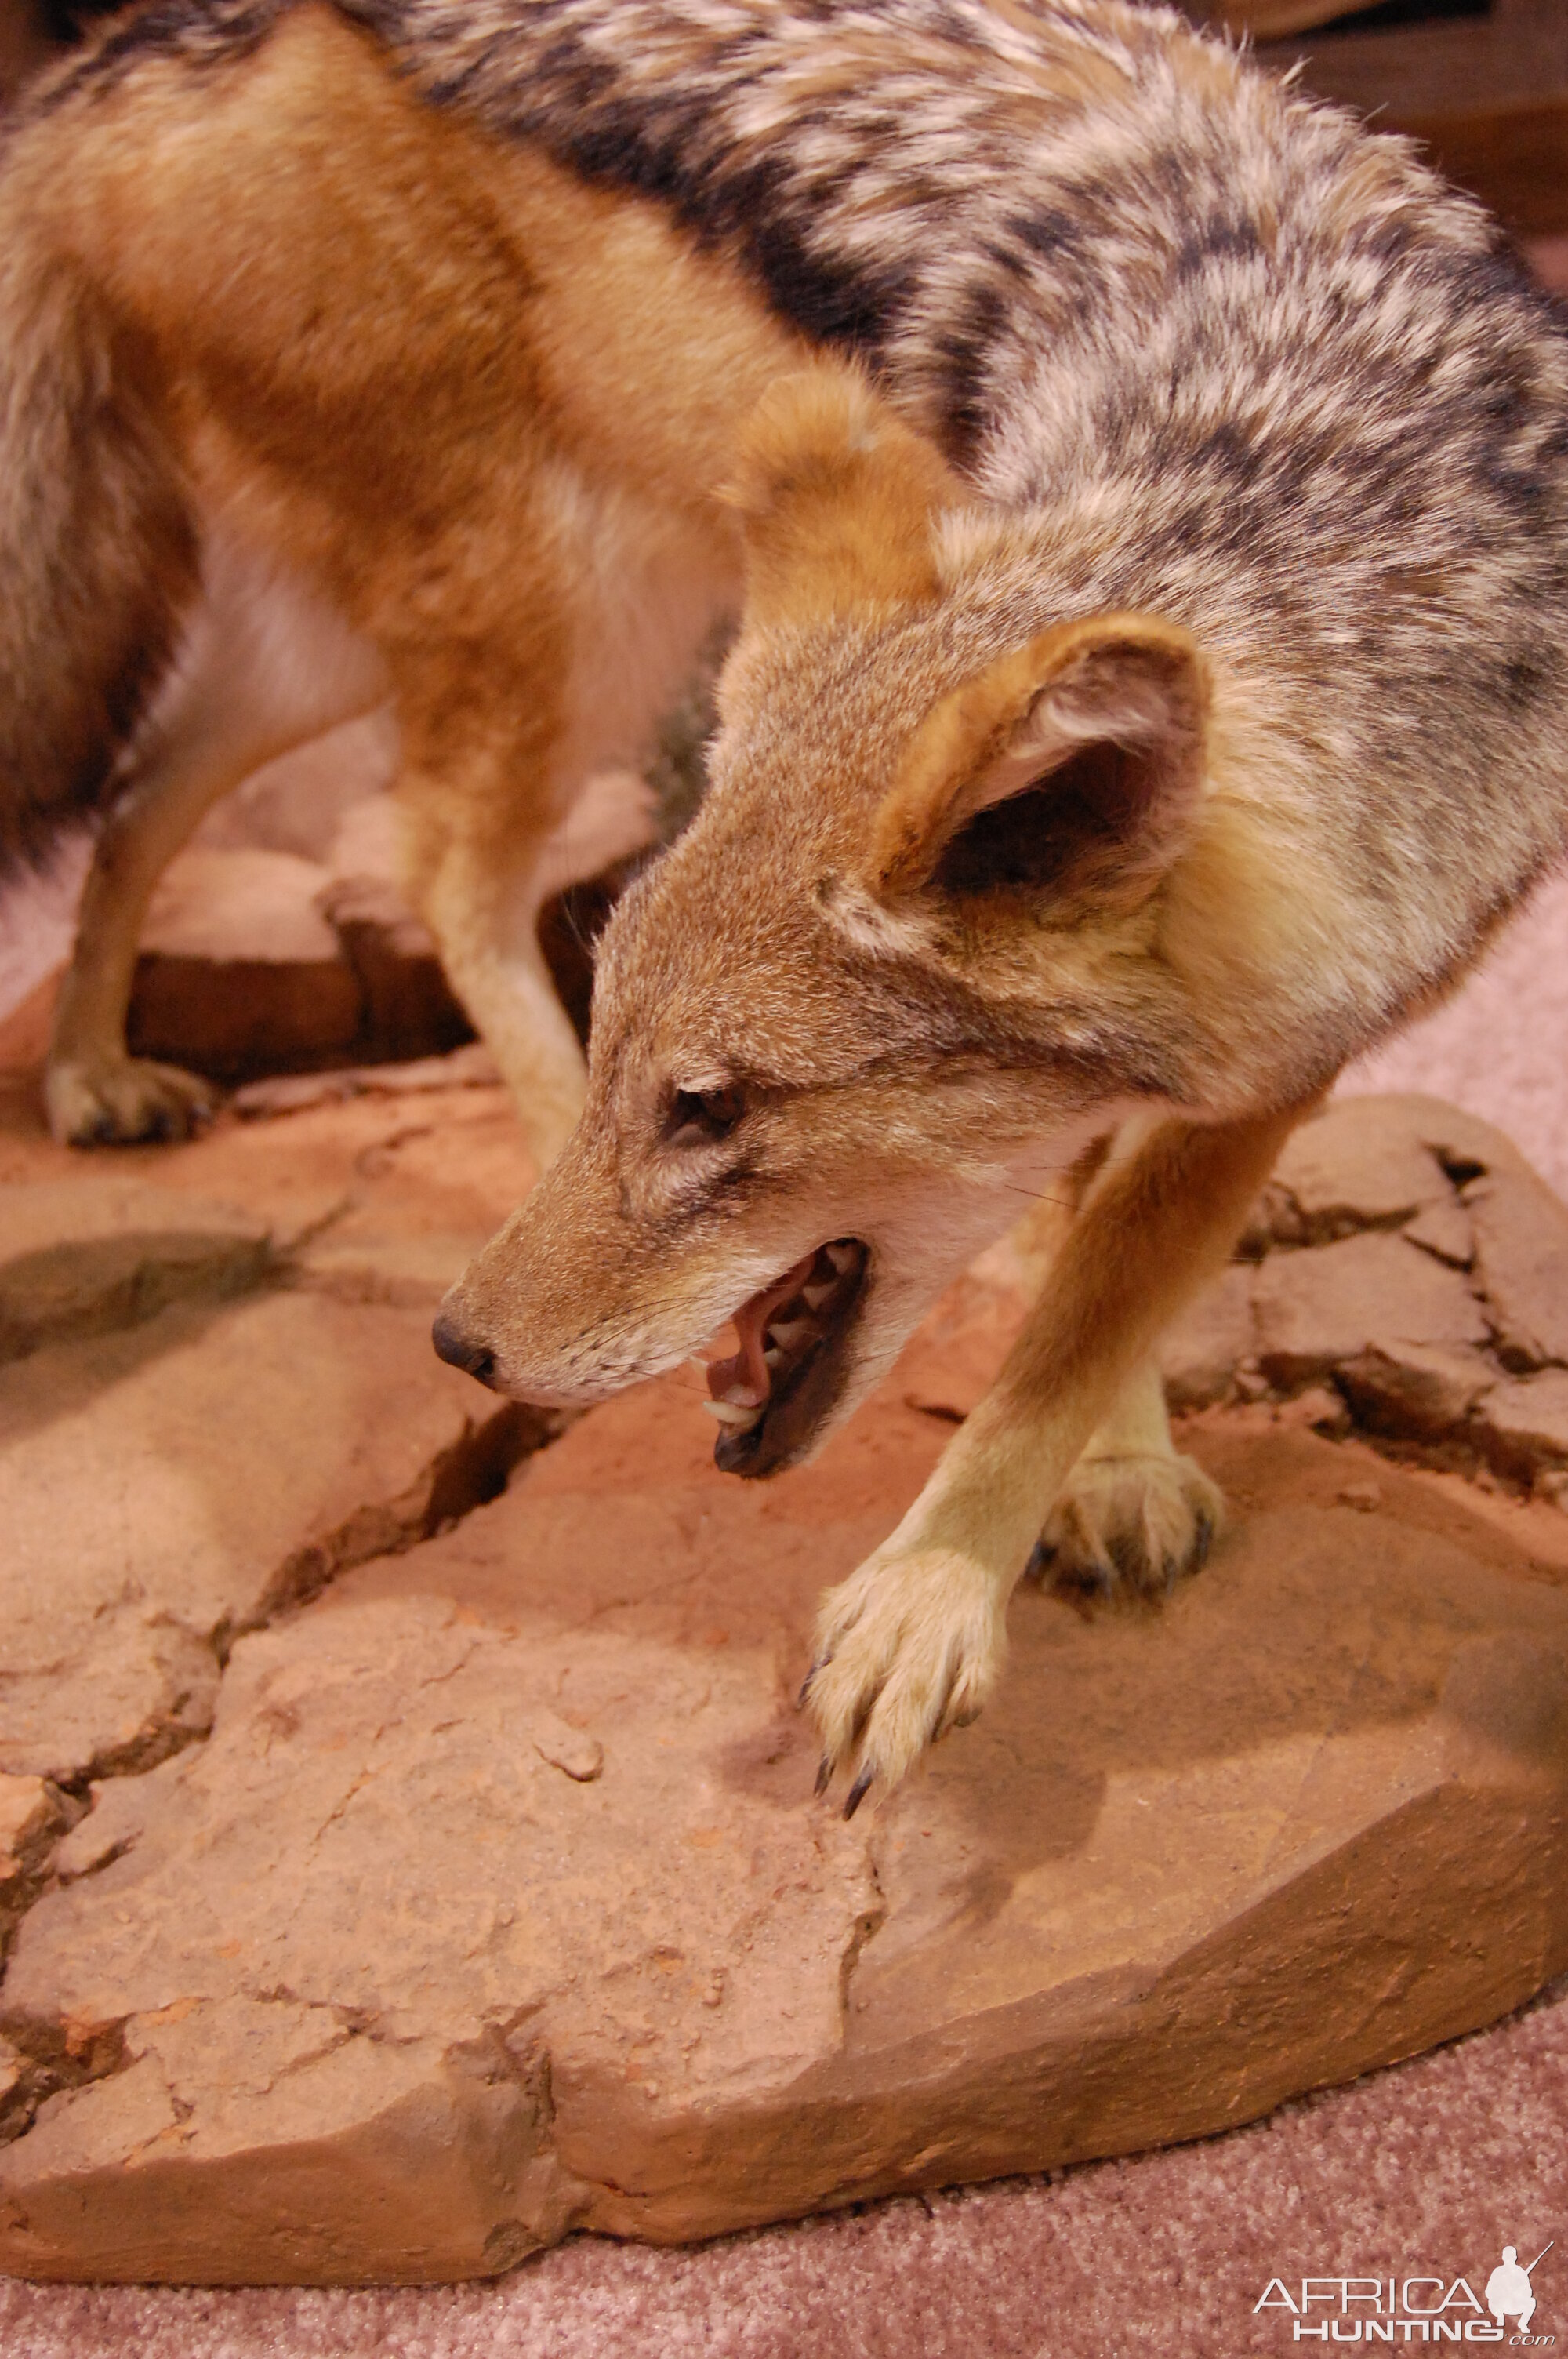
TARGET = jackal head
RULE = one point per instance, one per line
(903, 965)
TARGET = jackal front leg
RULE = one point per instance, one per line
(913, 1643)
(1134, 1513)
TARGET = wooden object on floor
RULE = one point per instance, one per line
(1487, 94)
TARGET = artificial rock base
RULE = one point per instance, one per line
(480, 1894)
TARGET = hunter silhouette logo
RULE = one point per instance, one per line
(1509, 2291)
(1413, 2309)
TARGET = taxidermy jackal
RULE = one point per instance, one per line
(1144, 497)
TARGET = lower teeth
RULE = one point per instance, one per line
(740, 1419)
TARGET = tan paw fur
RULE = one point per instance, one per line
(909, 1647)
(1136, 1522)
(117, 1102)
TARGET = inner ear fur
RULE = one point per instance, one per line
(837, 497)
(1073, 761)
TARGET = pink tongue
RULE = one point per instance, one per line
(747, 1365)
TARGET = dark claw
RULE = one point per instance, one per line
(1204, 1543)
(818, 1664)
(940, 1723)
(857, 1792)
(824, 1777)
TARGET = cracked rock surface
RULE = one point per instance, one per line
(479, 1893)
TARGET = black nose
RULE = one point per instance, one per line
(454, 1345)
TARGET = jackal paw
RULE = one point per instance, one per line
(114, 1103)
(909, 1647)
(1136, 1522)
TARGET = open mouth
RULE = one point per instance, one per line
(771, 1396)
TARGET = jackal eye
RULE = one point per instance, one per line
(696, 1117)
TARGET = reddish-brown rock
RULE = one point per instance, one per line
(1420, 1389)
(1318, 1309)
(406, 1006)
(240, 972)
(1522, 1261)
(1523, 1425)
(1361, 1164)
(262, 961)
(166, 1484)
(436, 1902)
(1185, 1866)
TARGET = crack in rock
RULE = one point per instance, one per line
(467, 1474)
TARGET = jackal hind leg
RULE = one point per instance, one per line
(265, 665)
(519, 772)
(479, 879)
(491, 830)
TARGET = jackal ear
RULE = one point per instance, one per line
(1073, 761)
(837, 497)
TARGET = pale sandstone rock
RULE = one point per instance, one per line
(1200, 1353)
(32, 1813)
(252, 906)
(163, 1485)
(367, 840)
(306, 801)
(1378, 1162)
(382, 1994)
(1319, 1308)
(473, 1067)
(1464, 1144)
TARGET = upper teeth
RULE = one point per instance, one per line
(731, 1413)
(815, 1295)
(840, 1256)
(788, 1331)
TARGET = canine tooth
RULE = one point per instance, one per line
(840, 1256)
(773, 1359)
(815, 1295)
(744, 1395)
(789, 1332)
(728, 1413)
